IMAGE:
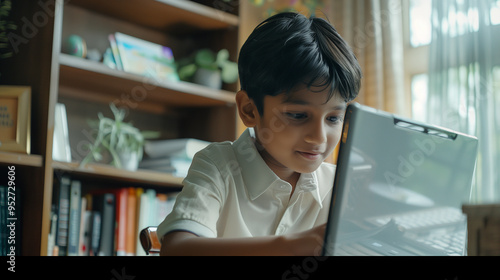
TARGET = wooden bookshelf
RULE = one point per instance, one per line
(105, 171)
(176, 109)
(21, 159)
(163, 14)
(75, 74)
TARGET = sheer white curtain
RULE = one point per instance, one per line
(461, 92)
(374, 30)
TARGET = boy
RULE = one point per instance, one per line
(269, 192)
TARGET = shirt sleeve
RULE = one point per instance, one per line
(197, 206)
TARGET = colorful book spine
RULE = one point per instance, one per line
(103, 222)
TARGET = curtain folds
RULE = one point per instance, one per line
(461, 94)
(373, 28)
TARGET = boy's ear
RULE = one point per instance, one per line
(246, 109)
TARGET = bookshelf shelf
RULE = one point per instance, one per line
(21, 159)
(106, 171)
(108, 84)
(166, 15)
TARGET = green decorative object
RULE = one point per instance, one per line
(208, 60)
(75, 45)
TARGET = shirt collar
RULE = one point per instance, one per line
(308, 182)
(257, 175)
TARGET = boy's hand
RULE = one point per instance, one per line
(307, 243)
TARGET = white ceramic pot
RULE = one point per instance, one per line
(208, 78)
(129, 160)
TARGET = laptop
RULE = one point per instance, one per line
(399, 187)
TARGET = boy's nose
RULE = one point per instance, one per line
(316, 134)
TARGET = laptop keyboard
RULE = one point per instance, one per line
(430, 228)
(423, 219)
(451, 243)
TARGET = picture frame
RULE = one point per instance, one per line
(15, 119)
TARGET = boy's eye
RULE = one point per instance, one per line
(334, 119)
(296, 116)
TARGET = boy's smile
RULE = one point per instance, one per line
(296, 133)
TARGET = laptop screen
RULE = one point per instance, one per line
(399, 187)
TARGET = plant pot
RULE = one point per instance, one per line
(208, 78)
(129, 160)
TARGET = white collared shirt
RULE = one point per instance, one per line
(231, 192)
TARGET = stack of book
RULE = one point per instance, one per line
(171, 155)
(141, 57)
(103, 222)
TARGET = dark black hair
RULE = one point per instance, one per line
(288, 49)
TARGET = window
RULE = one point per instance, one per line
(420, 22)
(495, 13)
(419, 96)
(419, 36)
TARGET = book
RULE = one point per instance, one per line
(175, 166)
(131, 225)
(121, 221)
(104, 222)
(86, 233)
(151, 163)
(95, 229)
(146, 58)
(63, 216)
(61, 150)
(74, 218)
(114, 50)
(162, 207)
(146, 215)
(52, 250)
(174, 148)
(104, 206)
(168, 207)
(81, 238)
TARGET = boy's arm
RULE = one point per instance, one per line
(300, 244)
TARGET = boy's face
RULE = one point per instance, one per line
(298, 132)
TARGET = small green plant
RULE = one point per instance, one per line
(116, 136)
(207, 59)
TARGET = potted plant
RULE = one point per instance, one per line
(208, 68)
(122, 140)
